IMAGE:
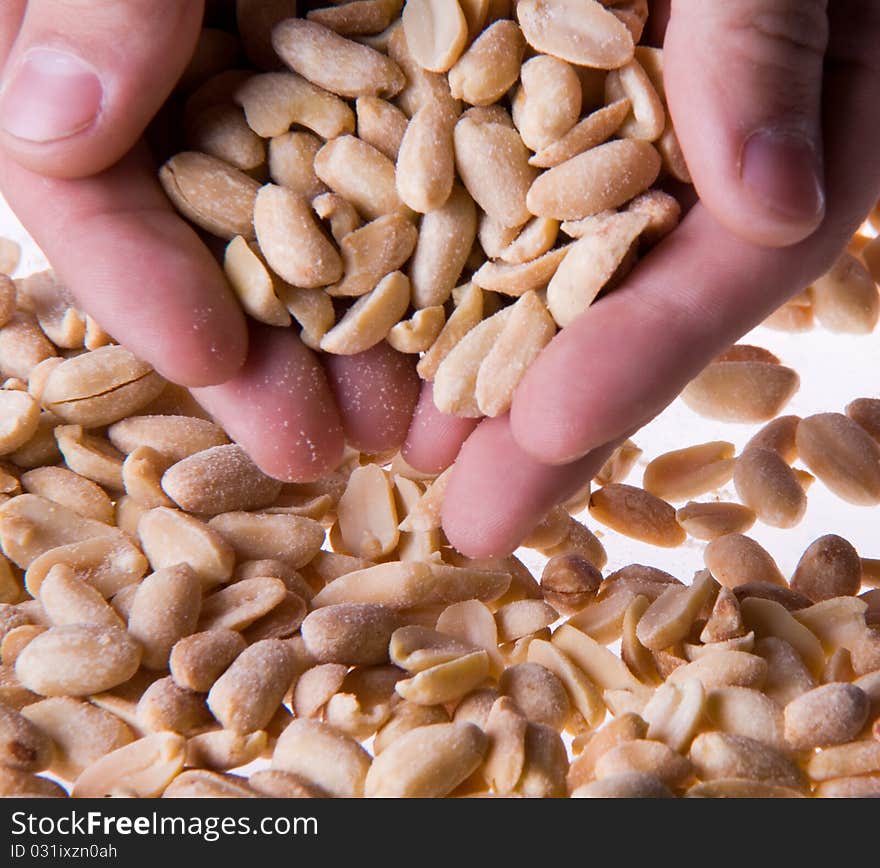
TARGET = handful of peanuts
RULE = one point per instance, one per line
(170, 615)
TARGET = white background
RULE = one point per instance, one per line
(834, 369)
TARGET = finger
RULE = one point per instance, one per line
(630, 354)
(434, 438)
(11, 13)
(84, 77)
(279, 407)
(376, 392)
(135, 266)
(744, 84)
(497, 493)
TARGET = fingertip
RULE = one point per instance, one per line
(279, 407)
(434, 438)
(376, 392)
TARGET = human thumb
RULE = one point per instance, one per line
(744, 85)
(84, 77)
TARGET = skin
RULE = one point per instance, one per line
(801, 74)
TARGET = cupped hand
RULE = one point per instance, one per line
(81, 81)
(777, 107)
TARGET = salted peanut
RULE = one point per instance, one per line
(426, 159)
(647, 118)
(198, 660)
(866, 413)
(669, 618)
(219, 479)
(436, 32)
(709, 521)
(7, 287)
(627, 785)
(221, 131)
(291, 163)
(279, 214)
(164, 706)
(203, 784)
(746, 712)
(791, 317)
(467, 314)
(843, 455)
(584, 695)
(830, 567)
(603, 619)
(826, 715)
(856, 758)
(142, 769)
(662, 210)
(23, 345)
(769, 486)
(446, 237)
(534, 240)
(550, 531)
(495, 237)
(505, 757)
(492, 163)
(404, 717)
(741, 788)
(636, 513)
(214, 195)
(569, 582)
(538, 693)
(36, 380)
(723, 668)
(17, 639)
(165, 609)
(785, 596)
(456, 377)
(546, 763)
(23, 745)
(675, 712)
(726, 621)
(271, 783)
(313, 311)
(619, 464)
(646, 757)
(838, 667)
(370, 187)
(636, 656)
(253, 284)
(587, 34)
(10, 255)
(589, 264)
(361, 17)
(364, 701)
(107, 563)
(718, 755)
(169, 537)
(372, 251)
(845, 299)
(548, 103)
(522, 618)
(862, 786)
(351, 633)
(426, 762)
(68, 600)
(90, 456)
(248, 693)
(602, 177)
(77, 659)
(337, 64)
(173, 437)
(281, 622)
(142, 473)
(239, 605)
(734, 559)
(44, 295)
(526, 331)
(416, 648)
(491, 66)
(626, 727)
(516, 279)
(367, 514)
(416, 545)
(472, 623)
(690, 472)
(19, 418)
(741, 391)
(369, 320)
(222, 749)
(380, 124)
(80, 733)
(421, 86)
(601, 666)
(41, 448)
(769, 619)
(322, 757)
(292, 539)
(418, 333)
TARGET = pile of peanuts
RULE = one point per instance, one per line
(175, 623)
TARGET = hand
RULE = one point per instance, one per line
(777, 107)
(82, 79)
